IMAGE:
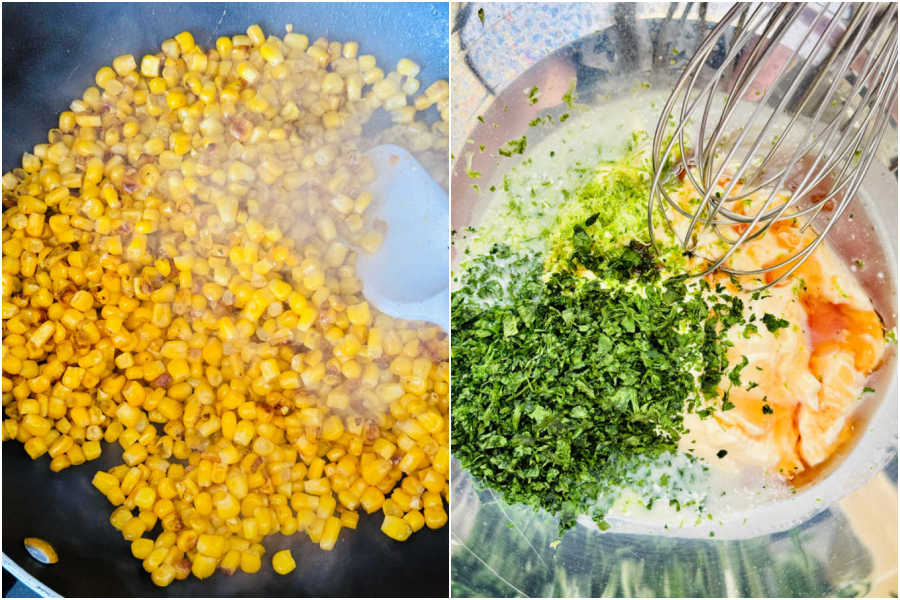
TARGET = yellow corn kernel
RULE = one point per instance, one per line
(211, 545)
(141, 548)
(92, 449)
(330, 533)
(250, 562)
(296, 41)
(150, 65)
(359, 314)
(203, 566)
(407, 67)
(396, 528)
(35, 447)
(124, 64)
(435, 517)
(371, 499)
(185, 42)
(133, 528)
(82, 301)
(271, 53)
(283, 562)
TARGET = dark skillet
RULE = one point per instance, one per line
(51, 53)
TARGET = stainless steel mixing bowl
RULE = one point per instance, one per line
(615, 50)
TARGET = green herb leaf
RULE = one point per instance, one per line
(773, 323)
(511, 147)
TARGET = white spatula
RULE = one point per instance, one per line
(408, 276)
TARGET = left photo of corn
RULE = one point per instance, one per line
(225, 299)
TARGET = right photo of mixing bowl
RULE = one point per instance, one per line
(674, 299)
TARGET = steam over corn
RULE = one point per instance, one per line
(178, 278)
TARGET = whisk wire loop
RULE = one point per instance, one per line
(819, 81)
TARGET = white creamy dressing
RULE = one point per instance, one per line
(519, 218)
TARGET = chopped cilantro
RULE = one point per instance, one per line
(767, 410)
(511, 147)
(868, 390)
(722, 453)
(553, 378)
(773, 323)
(734, 376)
(726, 403)
(481, 16)
(570, 96)
(532, 95)
(473, 174)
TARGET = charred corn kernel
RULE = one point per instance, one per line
(283, 562)
(231, 561)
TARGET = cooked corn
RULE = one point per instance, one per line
(283, 562)
(250, 386)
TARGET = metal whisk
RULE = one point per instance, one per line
(785, 101)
